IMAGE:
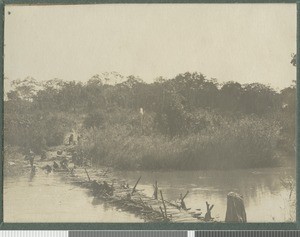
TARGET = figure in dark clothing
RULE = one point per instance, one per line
(33, 170)
(77, 159)
(80, 161)
(30, 158)
(64, 163)
(32, 173)
(43, 155)
(47, 168)
(55, 165)
(71, 139)
(74, 157)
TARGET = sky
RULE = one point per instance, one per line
(230, 42)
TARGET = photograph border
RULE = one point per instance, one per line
(145, 226)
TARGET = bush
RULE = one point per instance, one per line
(94, 120)
(35, 131)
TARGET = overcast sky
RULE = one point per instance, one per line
(239, 42)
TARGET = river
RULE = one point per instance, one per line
(48, 198)
(266, 199)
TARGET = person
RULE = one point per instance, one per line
(43, 155)
(78, 138)
(32, 173)
(33, 170)
(77, 159)
(74, 157)
(30, 157)
(47, 168)
(55, 165)
(64, 163)
(71, 139)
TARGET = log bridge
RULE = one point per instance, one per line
(102, 184)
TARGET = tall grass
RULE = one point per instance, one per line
(248, 142)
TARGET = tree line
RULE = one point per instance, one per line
(189, 103)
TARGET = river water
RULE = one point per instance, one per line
(48, 198)
(266, 199)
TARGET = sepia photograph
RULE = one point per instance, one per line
(150, 113)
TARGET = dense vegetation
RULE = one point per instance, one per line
(187, 122)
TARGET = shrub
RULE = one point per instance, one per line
(35, 131)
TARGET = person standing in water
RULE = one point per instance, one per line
(30, 157)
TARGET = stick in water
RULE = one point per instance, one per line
(163, 214)
(155, 190)
(162, 198)
(185, 195)
(133, 190)
(87, 174)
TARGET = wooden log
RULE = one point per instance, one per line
(235, 208)
(207, 216)
(133, 190)
(182, 203)
(187, 192)
(173, 204)
(87, 174)
(165, 208)
(162, 212)
(155, 196)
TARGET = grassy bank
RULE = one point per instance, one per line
(246, 143)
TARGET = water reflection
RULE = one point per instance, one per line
(264, 195)
(98, 201)
(44, 197)
(41, 197)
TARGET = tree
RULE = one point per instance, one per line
(259, 99)
(230, 96)
(13, 95)
(26, 88)
(70, 96)
(171, 119)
